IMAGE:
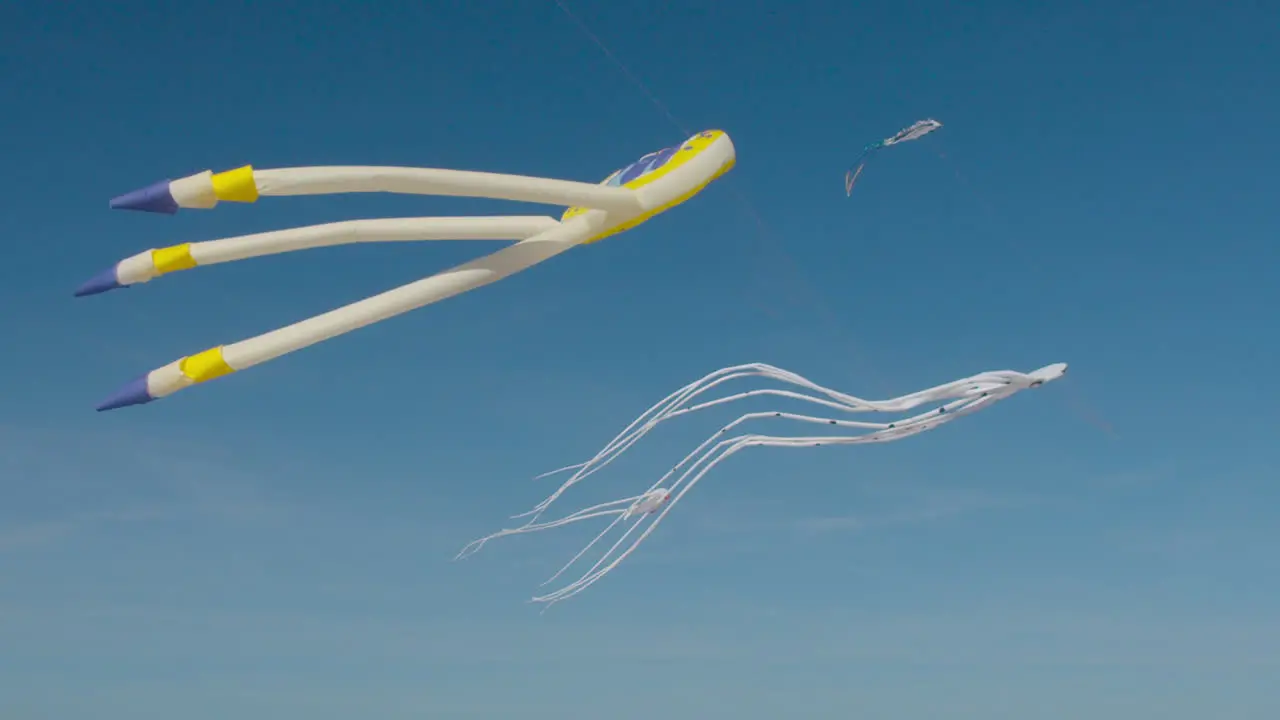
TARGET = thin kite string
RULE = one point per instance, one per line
(625, 70)
(828, 313)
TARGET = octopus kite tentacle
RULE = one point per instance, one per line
(671, 407)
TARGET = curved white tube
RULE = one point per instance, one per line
(482, 271)
(146, 266)
(437, 181)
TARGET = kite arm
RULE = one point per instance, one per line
(246, 184)
(226, 359)
(150, 264)
(851, 175)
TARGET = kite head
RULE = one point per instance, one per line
(649, 502)
(666, 178)
(1048, 373)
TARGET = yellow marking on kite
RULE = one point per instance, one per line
(687, 151)
(173, 258)
(236, 185)
(204, 366)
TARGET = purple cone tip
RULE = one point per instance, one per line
(154, 198)
(100, 283)
(135, 393)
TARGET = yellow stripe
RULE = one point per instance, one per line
(642, 218)
(686, 151)
(171, 259)
(236, 185)
(205, 365)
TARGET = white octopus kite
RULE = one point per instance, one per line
(959, 398)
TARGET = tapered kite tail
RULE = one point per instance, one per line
(851, 176)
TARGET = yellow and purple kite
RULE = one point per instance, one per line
(654, 183)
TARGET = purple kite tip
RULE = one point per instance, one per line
(100, 283)
(134, 393)
(154, 198)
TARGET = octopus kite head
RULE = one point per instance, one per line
(649, 502)
(665, 178)
(1048, 373)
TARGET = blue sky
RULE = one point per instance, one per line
(278, 543)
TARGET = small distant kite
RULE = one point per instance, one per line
(916, 131)
(958, 398)
(654, 183)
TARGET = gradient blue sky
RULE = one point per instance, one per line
(278, 544)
